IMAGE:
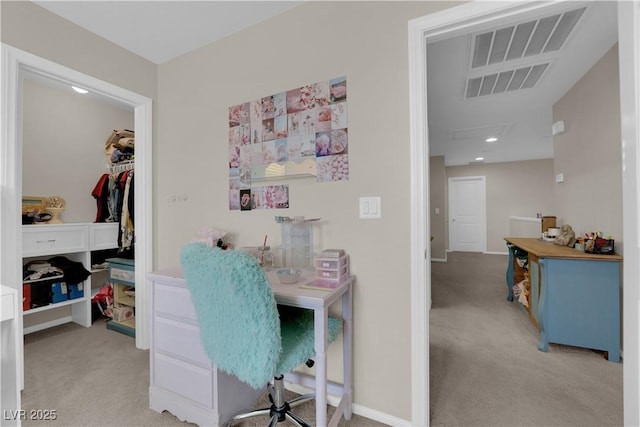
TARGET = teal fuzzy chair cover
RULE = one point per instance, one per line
(241, 329)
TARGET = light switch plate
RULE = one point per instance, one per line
(370, 208)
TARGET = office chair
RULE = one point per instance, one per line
(242, 330)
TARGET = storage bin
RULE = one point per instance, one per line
(76, 291)
(122, 270)
(122, 313)
(332, 274)
(26, 296)
(40, 294)
(59, 292)
(332, 263)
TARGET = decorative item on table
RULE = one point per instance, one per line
(55, 206)
(33, 210)
(596, 243)
(567, 236)
(296, 248)
(211, 237)
(288, 276)
(262, 254)
(550, 234)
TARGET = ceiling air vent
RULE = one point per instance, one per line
(505, 81)
(524, 40)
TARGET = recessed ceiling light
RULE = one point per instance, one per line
(80, 90)
(479, 159)
(491, 139)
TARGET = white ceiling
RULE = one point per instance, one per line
(458, 126)
(162, 30)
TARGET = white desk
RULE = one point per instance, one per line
(296, 296)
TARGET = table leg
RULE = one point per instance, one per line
(321, 320)
(347, 350)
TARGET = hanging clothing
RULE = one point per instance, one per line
(126, 222)
(101, 194)
(112, 199)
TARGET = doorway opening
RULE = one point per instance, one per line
(16, 64)
(450, 22)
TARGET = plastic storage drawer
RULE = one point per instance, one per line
(332, 263)
(332, 274)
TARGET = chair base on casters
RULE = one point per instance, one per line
(280, 409)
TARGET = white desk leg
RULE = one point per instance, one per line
(347, 350)
(321, 320)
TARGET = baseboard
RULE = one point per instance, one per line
(495, 253)
(47, 325)
(360, 410)
(439, 259)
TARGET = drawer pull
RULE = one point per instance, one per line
(46, 241)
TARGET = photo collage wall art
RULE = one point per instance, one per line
(309, 122)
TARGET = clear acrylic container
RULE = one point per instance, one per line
(296, 249)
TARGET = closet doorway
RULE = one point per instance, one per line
(16, 64)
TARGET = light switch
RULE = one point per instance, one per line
(437, 211)
(370, 208)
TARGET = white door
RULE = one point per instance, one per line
(467, 216)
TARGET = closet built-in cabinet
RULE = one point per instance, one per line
(77, 242)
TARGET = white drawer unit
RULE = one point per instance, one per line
(174, 302)
(183, 380)
(74, 241)
(8, 304)
(180, 340)
(38, 240)
(103, 236)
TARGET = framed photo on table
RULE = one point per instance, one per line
(32, 203)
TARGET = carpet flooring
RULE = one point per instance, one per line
(96, 377)
(485, 367)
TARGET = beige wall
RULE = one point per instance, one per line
(512, 189)
(438, 200)
(589, 152)
(313, 42)
(63, 145)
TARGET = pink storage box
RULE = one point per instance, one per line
(332, 274)
(332, 263)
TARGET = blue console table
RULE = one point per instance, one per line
(574, 296)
